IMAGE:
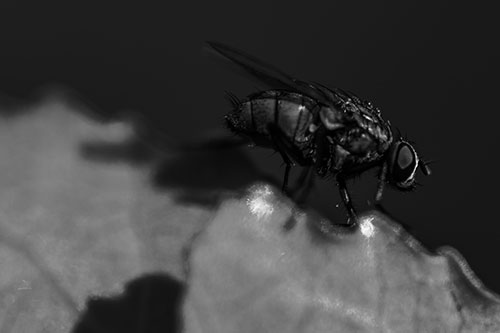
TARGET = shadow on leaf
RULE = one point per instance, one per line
(131, 151)
(149, 304)
(201, 177)
(197, 176)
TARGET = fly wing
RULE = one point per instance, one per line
(338, 94)
(269, 74)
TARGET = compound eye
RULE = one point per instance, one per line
(404, 164)
(405, 157)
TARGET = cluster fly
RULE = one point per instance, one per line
(331, 130)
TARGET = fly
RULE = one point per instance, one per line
(329, 129)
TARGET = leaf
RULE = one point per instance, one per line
(264, 266)
(73, 227)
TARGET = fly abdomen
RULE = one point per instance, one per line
(290, 112)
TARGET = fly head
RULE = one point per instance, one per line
(402, 162)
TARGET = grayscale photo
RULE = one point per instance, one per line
(220, 167)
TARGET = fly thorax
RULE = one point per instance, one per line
(331, 118)
(359, 142)
(340, 155)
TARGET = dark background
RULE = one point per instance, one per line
(430, 66)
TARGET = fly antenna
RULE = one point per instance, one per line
(424, 167)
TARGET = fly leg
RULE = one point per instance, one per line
(346, 198)
(381, 183)
(287, 150)
(288, 167)
(277, 138)
(307, 178)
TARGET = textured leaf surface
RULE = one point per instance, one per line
(71, 227)
(275, 269)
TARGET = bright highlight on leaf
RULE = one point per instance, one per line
(366, 227)
(258, 202)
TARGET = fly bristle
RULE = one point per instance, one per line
(398, 133)
(329, 176)
(233, 99)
